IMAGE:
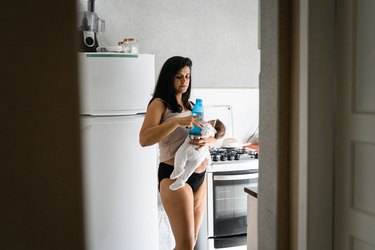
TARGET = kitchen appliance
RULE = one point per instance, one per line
(120, 184)
(232, 154)
(225, 221)
(89, 26)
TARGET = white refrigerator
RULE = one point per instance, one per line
(120, 177)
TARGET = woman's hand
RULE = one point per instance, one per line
(201, 142)
(189, 121)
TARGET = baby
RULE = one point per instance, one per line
(188, 157)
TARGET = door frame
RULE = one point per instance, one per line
(295, 209)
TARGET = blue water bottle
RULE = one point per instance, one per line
(197, 110)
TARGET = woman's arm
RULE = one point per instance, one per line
(152, 131)
(201, 142)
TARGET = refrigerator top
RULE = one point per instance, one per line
(112, 113)
(114, 55)
(115, 83)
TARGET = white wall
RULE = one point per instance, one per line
(245, 107)
(220, 36)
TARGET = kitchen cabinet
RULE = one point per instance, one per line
(252, 214)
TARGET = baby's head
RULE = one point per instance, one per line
(219, 127)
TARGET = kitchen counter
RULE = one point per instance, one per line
(252, 217)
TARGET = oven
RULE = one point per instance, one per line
(225, 222)
(227, 208)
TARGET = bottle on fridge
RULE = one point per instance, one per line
(120, 185)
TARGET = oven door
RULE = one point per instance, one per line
(227, 202)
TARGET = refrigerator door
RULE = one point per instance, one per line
(120, 183)
(115, 83)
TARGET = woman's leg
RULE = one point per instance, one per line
(179, 206)
(200, 197)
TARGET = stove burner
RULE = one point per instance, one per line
(231, 154)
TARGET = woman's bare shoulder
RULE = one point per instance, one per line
(157, 104)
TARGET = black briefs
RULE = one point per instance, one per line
(194, 181)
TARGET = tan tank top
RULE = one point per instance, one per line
(169, 145)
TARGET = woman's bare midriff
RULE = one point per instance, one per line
(199, 169)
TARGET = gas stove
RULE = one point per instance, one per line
(232, 154)
(232, 159)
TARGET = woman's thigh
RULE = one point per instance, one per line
(179, 206)
(200, 197)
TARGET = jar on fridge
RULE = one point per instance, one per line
(130, 45)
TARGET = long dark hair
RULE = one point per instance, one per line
(164, 88)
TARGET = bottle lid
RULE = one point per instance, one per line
(130, 39)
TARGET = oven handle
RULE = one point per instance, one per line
(235, 177)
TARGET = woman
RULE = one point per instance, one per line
(167, 122)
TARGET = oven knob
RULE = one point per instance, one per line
(237, 157)
(230, 157)
(223, 158)
(215, 157)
